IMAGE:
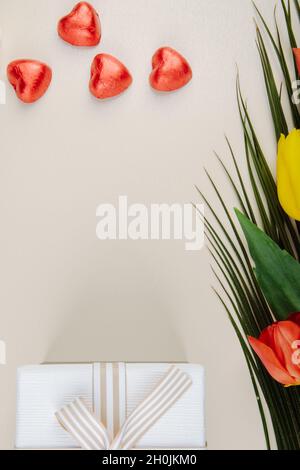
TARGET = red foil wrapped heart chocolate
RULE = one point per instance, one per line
(81, 27)
(109, 77)
(30, 79)
(170, 70)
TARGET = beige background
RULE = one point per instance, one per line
(65, 296)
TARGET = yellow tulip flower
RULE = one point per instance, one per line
(288, 173)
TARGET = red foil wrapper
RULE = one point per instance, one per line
(109, 77)
(30, 79)
(81, 27)
(170, 70)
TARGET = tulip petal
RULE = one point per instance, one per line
(288, 173)
(271, 363)
(267, 336)
(297, 58)
(285, 334)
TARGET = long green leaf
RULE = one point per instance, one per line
(278, 273)
(297, 6)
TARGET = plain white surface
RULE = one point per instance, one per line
(66, 296)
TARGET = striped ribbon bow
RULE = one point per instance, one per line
(90, 434)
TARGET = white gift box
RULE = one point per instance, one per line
(112, 391)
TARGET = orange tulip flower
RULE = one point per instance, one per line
(297, 57)
(277, 348)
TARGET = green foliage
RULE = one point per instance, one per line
(249, 307)
(277, 272)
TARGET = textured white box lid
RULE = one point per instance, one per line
(44, 389)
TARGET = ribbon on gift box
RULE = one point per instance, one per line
(109, 395)
(93, 434)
